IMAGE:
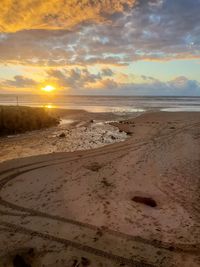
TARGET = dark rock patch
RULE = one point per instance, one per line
(105, 182)
(148, 201)
(62, 135)
(113, 137)
(171, 248)
(85, 262)
(128, 133)
(95, 167)
(19, 261)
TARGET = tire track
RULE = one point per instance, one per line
(97, 252)
(14, 173)
(32, 212)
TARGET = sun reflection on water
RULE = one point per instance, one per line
(49, 106)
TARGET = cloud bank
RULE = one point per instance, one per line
(79, 81)
(56, 14)
(71, 37)
(108, 32)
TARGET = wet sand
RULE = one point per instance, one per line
(80, 208)
(67, 137)
(78, 130)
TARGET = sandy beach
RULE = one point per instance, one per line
(130, 198)
(67, 137)
(78, 130)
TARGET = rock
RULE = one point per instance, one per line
(145, 200)
(18, 261)
(171, 248)
(85, 262)
(113, 137)
(91, 121)
(62, 135)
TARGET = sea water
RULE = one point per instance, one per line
(115, 104)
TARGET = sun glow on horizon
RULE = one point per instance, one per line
(48, 88)
(49, 106)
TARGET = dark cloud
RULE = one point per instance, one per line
(180, 86)
(74, 78)
(153, 30)
(107, 72)
(20, 82)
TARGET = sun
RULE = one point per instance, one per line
(48, 88)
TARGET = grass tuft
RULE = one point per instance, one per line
(19, 119)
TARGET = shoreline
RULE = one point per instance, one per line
(78, 130)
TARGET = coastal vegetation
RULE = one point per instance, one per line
(19, 119)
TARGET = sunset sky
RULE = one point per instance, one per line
(125, 47)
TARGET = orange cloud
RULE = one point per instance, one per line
(55, 14)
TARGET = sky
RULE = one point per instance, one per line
(106, 47)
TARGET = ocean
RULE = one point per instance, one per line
(115, 104)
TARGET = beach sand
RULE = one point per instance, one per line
(78, 130)
(67, 137)
(84, 208)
